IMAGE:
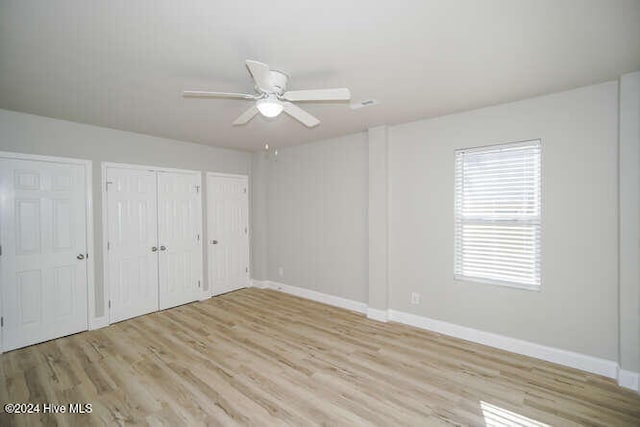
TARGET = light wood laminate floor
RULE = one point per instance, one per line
(260, 357)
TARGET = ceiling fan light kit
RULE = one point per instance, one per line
(269, 107)
(272, 97)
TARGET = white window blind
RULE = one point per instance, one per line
(497, 214)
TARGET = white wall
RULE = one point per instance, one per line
(25, 133)
(317, 217)
(577, 307)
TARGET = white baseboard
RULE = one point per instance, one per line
(580, 361)
(98, 322)
(352, 305)
(595, 365)
(376, 314)
(629, 379)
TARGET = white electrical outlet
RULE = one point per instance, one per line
(281, 271)
(415, 298)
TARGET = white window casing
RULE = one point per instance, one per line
(498, 214)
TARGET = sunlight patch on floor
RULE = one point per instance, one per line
(495, 416)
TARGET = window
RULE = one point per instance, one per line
(497, 214)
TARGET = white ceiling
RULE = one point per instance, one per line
(123, 63)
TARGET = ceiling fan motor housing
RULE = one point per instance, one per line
(278, 81)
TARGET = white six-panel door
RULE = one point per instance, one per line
(228, 232)
(44, 254)
(132, 242)
(179, 237)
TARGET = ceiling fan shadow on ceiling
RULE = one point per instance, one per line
(272, 98)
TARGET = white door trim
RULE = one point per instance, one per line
(204, 294)
(209, 292)
(106, 320)
(88, 169)
(227, 175)
(106, 289)
(145, 167)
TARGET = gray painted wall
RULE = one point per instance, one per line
(259, 230)
(577, 307)
(317, 220)
(378, 256)
(26, 133)
(317, 216)
(630, 222)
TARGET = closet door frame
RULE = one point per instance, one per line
(92, 321)
(105, 223)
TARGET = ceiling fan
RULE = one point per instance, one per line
(272, 98)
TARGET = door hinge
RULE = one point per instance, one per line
(198, 237)
(245, 230)
(199, 284)
(197, 188)
(109, 303)
(106, 185)
(108, 246)
(1, 322)
(246, 269)
(87, 256)
(244, 190)
(0, 250)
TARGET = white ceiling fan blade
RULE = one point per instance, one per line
(299, 114)
(339, 94)
(208, 94)
(246, 116)
(261, 74)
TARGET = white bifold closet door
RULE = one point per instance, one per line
(154, 222)
(43, 265)
(132, 228)
(179, 225)
(228, 232)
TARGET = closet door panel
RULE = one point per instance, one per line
(132, 242)
(180, 235)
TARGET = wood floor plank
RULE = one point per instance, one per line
(261, 357)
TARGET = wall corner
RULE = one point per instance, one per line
(378, 301)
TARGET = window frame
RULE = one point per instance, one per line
(497, 282)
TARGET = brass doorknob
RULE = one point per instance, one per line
(80, 256)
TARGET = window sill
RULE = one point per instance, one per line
(474, 281)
